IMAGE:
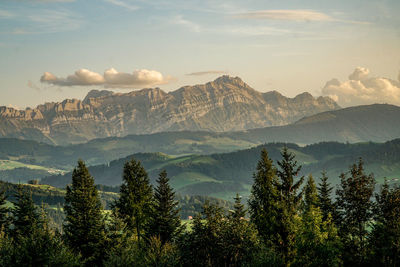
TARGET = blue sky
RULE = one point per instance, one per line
(288, 46)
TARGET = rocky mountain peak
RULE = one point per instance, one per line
(226, 79)
(304, 96)
(96, 94)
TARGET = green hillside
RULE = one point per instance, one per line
(223, 175)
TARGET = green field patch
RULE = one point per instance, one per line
(11, 164)
(188, 178)
(303, 158)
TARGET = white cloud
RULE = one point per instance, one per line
(111, 78)
(284, 14)
(207, 72)
(80, 77)
(123, 4)
(361, 89)
(359, 74)
(138, 78)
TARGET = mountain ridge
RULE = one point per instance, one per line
(225, 104)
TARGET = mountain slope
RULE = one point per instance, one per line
(226, 104)
(222, 175)
(377, 123)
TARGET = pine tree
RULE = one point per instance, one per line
(263, 202)
(317, 241)
(324, 197)
(239, 211)
(41, 247)
(84, 223)
(310, 194)
(25, 216)
(135, 202)
(385, 236)
(289, 203)
(287, 172)
(354, 212)
(165, 221)
(239, 236)
(4, 220)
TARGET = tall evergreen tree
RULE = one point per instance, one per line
(4, 220)
(317, 242)
(165, 220)
(324, 196)
(385, 236)
(25, 216)
(310, 194)
(238, 209)
(289, 203)
(263, 202)
(84, 223)
(354, 212)
(135, 202)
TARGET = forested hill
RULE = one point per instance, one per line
(225, 174)
(54, 198)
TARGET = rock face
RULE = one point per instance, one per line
(226, 104)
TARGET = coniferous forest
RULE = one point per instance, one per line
(287, 221)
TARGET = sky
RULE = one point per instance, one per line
(56, 49)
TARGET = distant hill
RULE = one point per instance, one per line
(225, 104)
(222, 175)
(376, 123)
(54, 198)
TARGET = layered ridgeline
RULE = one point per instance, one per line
(377, 123)
(222, 175)
(226, 104)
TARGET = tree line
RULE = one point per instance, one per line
(290, 221)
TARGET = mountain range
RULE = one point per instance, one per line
(376, 123)
(223, 105)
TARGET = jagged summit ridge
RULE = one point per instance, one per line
(225, 104)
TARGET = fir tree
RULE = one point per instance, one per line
(165, 221)
(84, 223)
(238, 209)
(263, 202)
(310, 194)
(135, 202)
(354, 212)
(385, 236)
(289, 203)
(4, 220)
(317, 241)
(324, 197)
(25, 216)
(41, 247)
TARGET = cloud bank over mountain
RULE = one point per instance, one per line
(111, 78)
(362, 89)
